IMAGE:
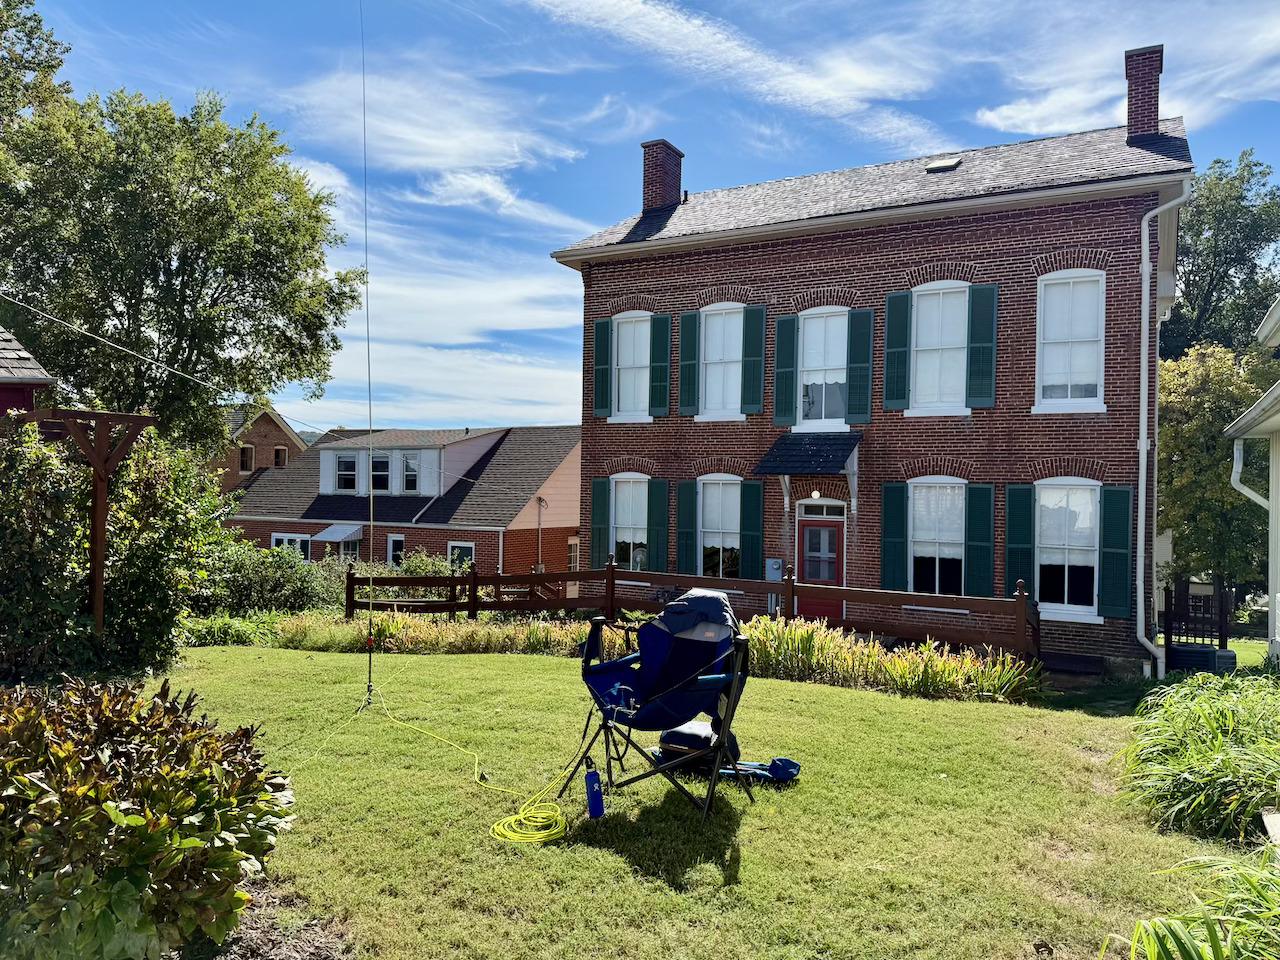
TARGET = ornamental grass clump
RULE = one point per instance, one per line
(1205, 757)
(127, 823)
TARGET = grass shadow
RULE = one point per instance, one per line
(667, 840)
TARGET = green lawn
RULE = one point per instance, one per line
(1249, 653)
(916, 829)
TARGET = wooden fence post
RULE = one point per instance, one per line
(787, 602)
(473, 600)
(610, 579)
(351, 590)
(453, 597)
(1020, 615)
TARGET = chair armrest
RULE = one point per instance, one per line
(712, 682)
(610, 665)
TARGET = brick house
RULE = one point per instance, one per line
(930, 375)
(504, 498)
(20, 375)
(261, 440)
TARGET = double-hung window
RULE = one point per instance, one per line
(246, 459)
(409, 478)
(282, 456)
(940, 337)
(720, 526)
(824, 347)
(721, 387)
(630, 504)
(631, 338)
(298, 541)
(380, 475)
(345, 474)
(937, 535)
(395, 549)
(1069, 355)
(1067, 526)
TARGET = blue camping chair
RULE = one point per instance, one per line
(689, 660)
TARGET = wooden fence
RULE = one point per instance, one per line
(1017, 617)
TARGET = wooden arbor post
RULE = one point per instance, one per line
(91, 430)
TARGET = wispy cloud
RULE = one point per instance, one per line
(613, 118)
(488, 191)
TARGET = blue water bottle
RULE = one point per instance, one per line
(595, 795)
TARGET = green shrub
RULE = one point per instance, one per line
(223, 630)
(1205, 757)
(1239, 918)
(249, 578)
(127, 823)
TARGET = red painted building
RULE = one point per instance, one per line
(505, 499)
(925, 375)
(20, 375)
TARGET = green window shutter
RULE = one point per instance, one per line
(858, 405)
(980, 386)
(659, 364)
(603, 368)
(785, 330)
(1019, 537)
(751, 531)
(893, 536)
(1115, 562)
(897, 351)
(601, 546)
(658, 497)
(979, 540)
(687, 526)
(753, 359)
(689, 363)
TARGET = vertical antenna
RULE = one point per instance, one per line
(368, 340)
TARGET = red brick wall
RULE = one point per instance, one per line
(661, 174)
(520, 549)
(857, 268)
(264, 435)
(1142, 69)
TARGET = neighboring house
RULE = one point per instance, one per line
(261, 440)
(924, 375)
(500, 497)
(1263, 420)
(20, 375)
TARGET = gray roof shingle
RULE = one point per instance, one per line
(1094, 157)
(808, 454)
(407, 438)
(17, 365)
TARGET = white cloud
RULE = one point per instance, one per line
(614, 119)
(485, 190)
(837, 84)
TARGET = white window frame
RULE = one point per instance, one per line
(722, 478)
(613, 512)
(827, 424)
(292, 540)
(615, 371)
(931, 481)
(726, 414)
(275, 457)
(1071, 613)
(374, 459)
(339, 473)
(918, 409)
(253, 453)
(1069, 405)
(407, 461)
(349, 550)
(460, 543)
(391, 538)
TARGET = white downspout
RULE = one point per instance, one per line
(1237, 463)
(1144, 396)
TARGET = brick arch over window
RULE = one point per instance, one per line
(833, 488)
(932, 272)
(824, 297)
(632, 301)
(1078, 259)
(726, 293)
(733, 465)
(1069, 467)
(937, 466)
(631, 465)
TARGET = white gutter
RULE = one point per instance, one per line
(1237, 463)
(1144, 397)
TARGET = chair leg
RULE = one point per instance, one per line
(581, 759)
(711, 788)
(742, 779)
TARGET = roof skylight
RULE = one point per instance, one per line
(942, 164)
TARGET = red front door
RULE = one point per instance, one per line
(822, 562)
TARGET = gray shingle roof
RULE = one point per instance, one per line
(1094, 157)
(808, 454)
(407, 438)
(494, 490)
(17, 365)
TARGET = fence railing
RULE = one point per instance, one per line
(1017, 616)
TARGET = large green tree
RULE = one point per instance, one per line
(1215, 529)
(1228, 237)
(29, 58)
(187, 239)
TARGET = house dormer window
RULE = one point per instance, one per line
(346, 473)
(282, 456)
(410, 478)
(380, 473)
(246, 459)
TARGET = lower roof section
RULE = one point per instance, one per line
(809, 454)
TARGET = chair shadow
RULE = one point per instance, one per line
(667, 840)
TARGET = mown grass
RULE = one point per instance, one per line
(923, 829)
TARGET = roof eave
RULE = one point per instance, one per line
(1268, 332)
(1251, 422)
(575, 257)
(27, 381)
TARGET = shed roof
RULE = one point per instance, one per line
(17, 365)
(808, 454)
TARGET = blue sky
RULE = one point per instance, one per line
(499, 130)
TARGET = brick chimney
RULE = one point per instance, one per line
(1142, 69)
(661, 174)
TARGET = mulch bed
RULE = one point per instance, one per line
(262, 936)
